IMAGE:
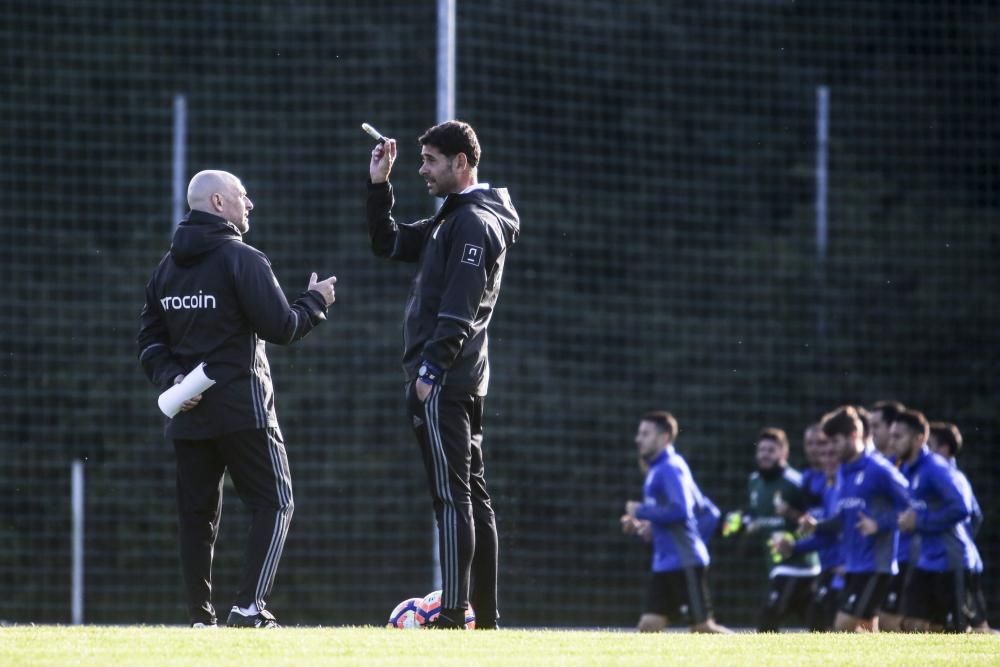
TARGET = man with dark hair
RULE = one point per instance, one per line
(934, 598)
(871, 494)
(881, 415)
(672, 504)
(213, 299)
(461, 252)
(946, 440)
(775, 502)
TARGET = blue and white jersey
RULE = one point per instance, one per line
(813, 488)
(826, 544)
(872, 486)
(941, 508)
(708, 517)
(672, 503)
(971, 525)
(907, 549)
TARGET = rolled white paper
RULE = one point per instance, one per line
(193, 384)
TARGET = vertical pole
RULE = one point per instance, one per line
(445, 60)
(445, 111)
(822, 140)
(180, 141)
(77, 501)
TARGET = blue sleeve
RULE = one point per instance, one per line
(671, 490)
(815, 542)
(893, 484)
(976, 515)
(954, 506)
(708, 517)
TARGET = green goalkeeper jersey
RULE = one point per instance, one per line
(762, 520)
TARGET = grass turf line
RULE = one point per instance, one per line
(118, 646)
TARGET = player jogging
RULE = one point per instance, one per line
(934, 598)
(946, 440)
(871, 494)
(672, 504)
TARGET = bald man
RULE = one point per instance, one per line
(213, 299)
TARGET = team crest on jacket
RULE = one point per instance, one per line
(859, 478)
(472, 254)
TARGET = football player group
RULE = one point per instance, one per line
(876, 534)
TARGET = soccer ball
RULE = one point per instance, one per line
(407, 615)
(429, 609)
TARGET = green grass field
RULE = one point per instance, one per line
(118, 646)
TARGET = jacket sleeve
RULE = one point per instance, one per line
(153, 341)
(708, 516)
(976, 516)
(674, 508)
(469, 260)
(954, 507)
(815, 542)
(894, 485)
(265, 306)
(390, 239)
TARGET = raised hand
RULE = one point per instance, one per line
(383, 157)
(324, 287)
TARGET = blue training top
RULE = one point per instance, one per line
(907, 549)
(971, 525)
(826, 544)
(941, 508)
(869, 485)
(672, 503)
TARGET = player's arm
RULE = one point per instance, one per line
(954, 507)
(265, 306)
(976, 514)
(707, 514)
(892, 483)
(670, 505)
(472, 253)
(153, 342)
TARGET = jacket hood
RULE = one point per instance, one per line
(497, 201)
(199, 234)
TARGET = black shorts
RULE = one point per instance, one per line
(680, 595)
(975, 600)
(864, 593)
(786, 596)
(897, 587)
(938, 597)
(823, 606)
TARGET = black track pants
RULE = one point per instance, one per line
(449, 430)
(258, 466)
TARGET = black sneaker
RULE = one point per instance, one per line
(262, 619)
(488, 625)
(445, 622)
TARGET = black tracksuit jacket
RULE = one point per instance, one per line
(461, 253)
(214, 299)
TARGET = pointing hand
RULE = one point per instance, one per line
(324, 287)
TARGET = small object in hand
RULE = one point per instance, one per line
(373, 133)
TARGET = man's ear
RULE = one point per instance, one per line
(217, 200)
(461, 161)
